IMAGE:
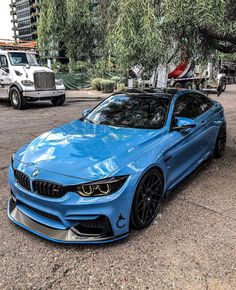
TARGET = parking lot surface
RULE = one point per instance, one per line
(191, 245)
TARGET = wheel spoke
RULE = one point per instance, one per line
(143, 213)
(141, 203)
(149, 196)
(156, 183)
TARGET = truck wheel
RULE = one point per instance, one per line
(18, 101)
(188, 86)
(58, 101)
(202, 85)
(178, 85)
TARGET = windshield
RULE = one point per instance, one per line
(23, 58)
(146, 112)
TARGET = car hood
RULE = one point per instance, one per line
(28, 73)
(87, 151)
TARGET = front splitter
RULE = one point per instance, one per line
(52, 234)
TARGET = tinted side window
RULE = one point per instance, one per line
(3, 61)
(187, 106)
(204, 103)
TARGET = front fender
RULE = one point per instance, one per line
(16, 84)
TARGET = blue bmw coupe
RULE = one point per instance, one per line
(91, 180)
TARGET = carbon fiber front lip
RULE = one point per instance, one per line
(61, 236)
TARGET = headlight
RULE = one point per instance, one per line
(12, 160)
(59, 82)
(101, 187)
(27, 83)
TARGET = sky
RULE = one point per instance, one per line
(5, 20)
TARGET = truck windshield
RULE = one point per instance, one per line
(23, 58)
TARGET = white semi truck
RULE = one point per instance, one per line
(24, 80)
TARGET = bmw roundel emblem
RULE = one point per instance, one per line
(35, 173)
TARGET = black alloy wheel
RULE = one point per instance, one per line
(147, 199)
(221, 142)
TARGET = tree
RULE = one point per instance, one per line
(136, 37)
(79, 38)
(203, 26)
(144, 32)
(51, 26)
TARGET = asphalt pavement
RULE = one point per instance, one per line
(191, 245)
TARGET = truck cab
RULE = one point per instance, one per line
(24, 80)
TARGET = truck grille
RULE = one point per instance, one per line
(44, 81)
(48, 189)
(22, 179)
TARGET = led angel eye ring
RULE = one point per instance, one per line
(87, 189)
(104, 188)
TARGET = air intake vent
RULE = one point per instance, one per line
(44, 81)
(22, 179)
(48, 189)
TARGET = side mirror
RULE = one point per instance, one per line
(86, 112)
(182, 123)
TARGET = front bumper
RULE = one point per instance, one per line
(56, 235)
(64, 219)
(43, 94)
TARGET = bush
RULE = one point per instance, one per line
(107, 86)
(96, 84)
(79, 66)
(120, 86)
(116, 79)
(59, 67)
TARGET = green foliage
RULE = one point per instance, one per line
(51, 26)
(58, 67)
(202, 26)
(79, 66)
(96, 84)
(107, 86)
(116, 79)
(78, 30)
(136, 37)
(119, 34)
(120, 86)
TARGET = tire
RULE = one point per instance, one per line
(188, 86)
(220, 142)
(58, 101)
(178, 85)
(147, 199)
(18, 101)
(202, 85)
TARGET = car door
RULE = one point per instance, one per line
(186, 147)
(4, 76)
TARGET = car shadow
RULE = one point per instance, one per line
(5, 102)
(47, 104)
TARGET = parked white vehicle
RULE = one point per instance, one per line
(24, 80)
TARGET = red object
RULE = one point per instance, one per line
(26, 45)
(178, 71)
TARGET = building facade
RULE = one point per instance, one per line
(25, 15)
